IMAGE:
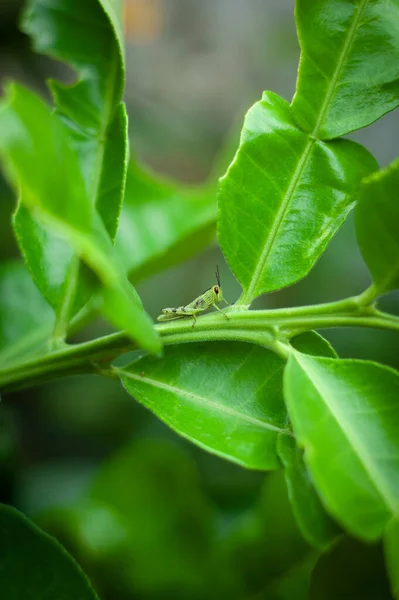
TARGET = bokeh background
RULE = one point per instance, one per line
(147, 515)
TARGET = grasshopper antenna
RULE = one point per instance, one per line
(217, 275)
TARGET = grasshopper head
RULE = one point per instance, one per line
(217, 293)
(217, 290)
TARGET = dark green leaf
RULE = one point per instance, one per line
(266, 548)
(348, 76)
(345, 414)
(162, 223)
(225, 397)
(31, 138)
(34, 565)
(26, 320)
(283, 198)
(155, 488)
(391, 546)
(351, 571)
(88, 36)
(315, 524)
(377, 226)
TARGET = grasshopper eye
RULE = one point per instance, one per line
(216, 289)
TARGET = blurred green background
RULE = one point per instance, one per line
(146, 514)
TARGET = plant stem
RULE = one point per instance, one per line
(269, 328)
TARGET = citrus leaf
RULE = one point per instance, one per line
(377, 226)
(316, 526)
(345, 415)
(283, 198)
(31, 138)
(162, 223)
(89, 38)
(35, 565)
(345, 81)
(225, 397)
(26, 320)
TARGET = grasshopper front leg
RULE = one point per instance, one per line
(217, 308)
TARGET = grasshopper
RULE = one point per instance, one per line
(209, 298)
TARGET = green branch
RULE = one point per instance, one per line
(269, 328)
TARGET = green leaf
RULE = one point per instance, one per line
(283, 198)
(89, 38)
(34, 565)
(315, 524)
(225, 397)
(391, 547)
(345, 414)
(31, 138)
(351, 571)
(345, 80)
(26, 320)
(162, 223)
(377, 226)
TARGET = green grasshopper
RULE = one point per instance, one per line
(209, 298)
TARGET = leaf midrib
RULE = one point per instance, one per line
(221, 408)
(251, 292)
(352, 439)
(64, 309)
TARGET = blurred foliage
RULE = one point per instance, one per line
(192, 525)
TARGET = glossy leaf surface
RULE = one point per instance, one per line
(348, 73)
(316, 525)
(162, 223)
(283, 198)
(35, 565)
(89, 38)
(391, 547)
(377, 226)
(31, 138)
(226, 397)
(26, 320)
(345, 415)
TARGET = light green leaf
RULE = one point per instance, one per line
(391, 547)
(31, 138)
(162, 223)
(377, 226)
(345, 414)
(346, 77)
(283, 198)
(315, 524)
(34, 565)
(83, 35)
(225, 397)
(88, 37)
(26, 320)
